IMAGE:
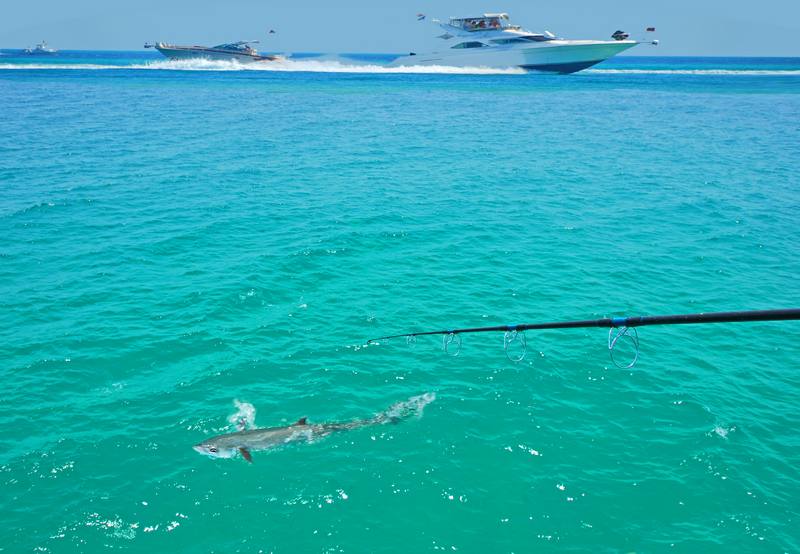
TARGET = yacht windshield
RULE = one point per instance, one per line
(239, 46)
(489, 23)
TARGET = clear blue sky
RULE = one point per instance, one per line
(685, 27)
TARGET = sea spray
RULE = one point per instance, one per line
(414, 406)
(244, 417)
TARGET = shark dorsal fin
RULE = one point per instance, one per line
(301, 421)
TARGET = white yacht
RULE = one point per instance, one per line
(240, 51)
(492, 41)
(41, 49)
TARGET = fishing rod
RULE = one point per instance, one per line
(620, 328)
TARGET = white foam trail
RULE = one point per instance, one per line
(750, 72)
(31, 66)
(245, 416)
(313, 66)
(330, 66)
(413, 406)
(336, 66)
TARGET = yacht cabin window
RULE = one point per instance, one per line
(469, 45)
(527, 38)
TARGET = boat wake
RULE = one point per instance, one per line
(289, 65)
(349, 66)
(732, 72)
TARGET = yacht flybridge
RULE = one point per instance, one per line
(492, 41)
(240, 51)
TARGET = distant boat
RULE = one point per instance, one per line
(491, 40)
(40, 49)
(240, 51)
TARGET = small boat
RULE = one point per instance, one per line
(492, 41)
(40, 49)
(239, 51)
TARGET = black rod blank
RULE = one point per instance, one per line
(639, 321)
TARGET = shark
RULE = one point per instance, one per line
(246, 441)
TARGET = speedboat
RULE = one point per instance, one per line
(240, 51)
(492, 41)
(41, 49)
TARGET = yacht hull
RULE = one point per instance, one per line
(557, 56)
(195, 52)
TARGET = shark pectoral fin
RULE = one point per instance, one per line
(246, 453)
(302, 421)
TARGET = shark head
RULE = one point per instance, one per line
(214, 450)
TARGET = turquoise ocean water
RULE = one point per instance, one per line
(177, 236)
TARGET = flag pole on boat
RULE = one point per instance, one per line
(620, 328)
